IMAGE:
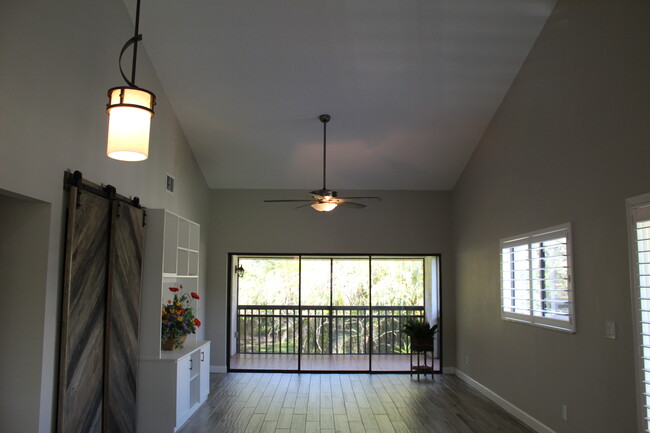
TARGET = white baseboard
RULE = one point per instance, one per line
(218, 369)
(505, 404)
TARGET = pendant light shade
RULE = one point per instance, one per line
(129, 110)
(129, 118)
(324, 206)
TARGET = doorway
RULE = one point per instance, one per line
(24, 236)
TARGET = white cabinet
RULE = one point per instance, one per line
(174, 388)
(171, 385)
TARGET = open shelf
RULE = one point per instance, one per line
(172, 384)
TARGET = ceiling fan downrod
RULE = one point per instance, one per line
(324, 118)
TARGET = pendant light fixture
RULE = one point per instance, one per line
(130, 110)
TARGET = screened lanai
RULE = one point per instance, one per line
(323, 313)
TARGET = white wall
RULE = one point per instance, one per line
(416, 222)
(570, 142)
(58, 61)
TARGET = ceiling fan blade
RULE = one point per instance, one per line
(287, 201)
(304, 205)
(352, 205)
(360, 198)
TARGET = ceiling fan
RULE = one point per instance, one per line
(325, 200)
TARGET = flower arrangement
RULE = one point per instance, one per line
(178, 319)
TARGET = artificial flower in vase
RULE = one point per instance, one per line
(178, 319)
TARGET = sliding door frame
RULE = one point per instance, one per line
(229, 316)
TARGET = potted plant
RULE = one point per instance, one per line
(178, 319)
(421, 334)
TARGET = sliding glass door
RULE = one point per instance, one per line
(315, 313)
(397, 296)
(350, 315)
(328, 313)
(267, 314)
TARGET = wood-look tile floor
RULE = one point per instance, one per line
(346, 403)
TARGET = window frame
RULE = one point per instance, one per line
(528, 239)
(635, 206)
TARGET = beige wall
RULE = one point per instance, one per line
(415, 222)
(570, 142)
(58, 61)
(24, 231)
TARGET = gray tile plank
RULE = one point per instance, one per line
(346, 403)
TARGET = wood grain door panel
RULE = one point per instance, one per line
(83, 315)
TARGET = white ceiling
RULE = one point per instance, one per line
(411, 85)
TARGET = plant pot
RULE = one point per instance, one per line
(420, 344)
(169, 343)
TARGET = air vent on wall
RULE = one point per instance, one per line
(170, 183)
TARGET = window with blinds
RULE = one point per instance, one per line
(639, 229)
(536, 285)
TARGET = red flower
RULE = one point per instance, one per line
(195, 295)
(174, 289)
(197, 322)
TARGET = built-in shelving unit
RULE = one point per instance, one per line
(171, 384)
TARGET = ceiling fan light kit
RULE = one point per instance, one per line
(324, 206)
(325, 200)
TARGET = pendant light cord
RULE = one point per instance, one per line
(138, 37)
(133, 41)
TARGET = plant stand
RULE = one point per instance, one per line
(421, 366)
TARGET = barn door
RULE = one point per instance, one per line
(100, 312)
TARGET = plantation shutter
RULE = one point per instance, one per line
(641, 294)
(536, 283)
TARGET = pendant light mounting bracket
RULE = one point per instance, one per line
(134, 40)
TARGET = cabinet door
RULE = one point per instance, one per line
(182, 389)
(205, 372)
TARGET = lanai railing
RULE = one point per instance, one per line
(325, 329)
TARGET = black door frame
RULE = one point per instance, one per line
(438, 257)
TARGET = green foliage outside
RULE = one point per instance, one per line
(276, 281)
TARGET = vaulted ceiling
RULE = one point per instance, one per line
(411, 85)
